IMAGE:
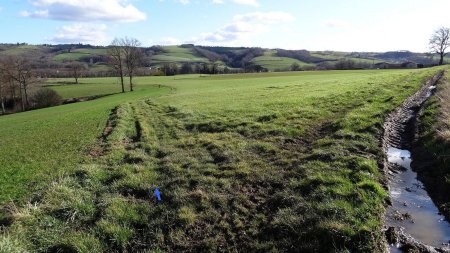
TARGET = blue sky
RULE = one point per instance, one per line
(344, 25)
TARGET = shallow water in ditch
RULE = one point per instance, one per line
(423, 220)
(431, 89)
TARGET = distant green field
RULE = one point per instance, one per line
(335, 56)
(176, 54)
(96, 86)
(329, 55)
(93, 51)
(79, 54)
(273, 63)
(73, 56)
(87, 87)
(271, 162)
(100, 67)
(21, 50)
(364, 60)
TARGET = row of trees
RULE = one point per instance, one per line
(15, 81)
(126, 57)
(170, 69)
(20, 88)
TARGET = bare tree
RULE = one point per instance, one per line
(77, 70)
(18, 69)
(439, 42)
(12, 88)
(116, 59)
(3, 91)
(7, 82)
(133, 56)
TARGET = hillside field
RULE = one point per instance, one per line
(48, 58)
(248, 162)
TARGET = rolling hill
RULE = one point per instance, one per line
(47, 58)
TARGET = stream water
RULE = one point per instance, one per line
(412, 208)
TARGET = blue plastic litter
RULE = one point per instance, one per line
(158, 194)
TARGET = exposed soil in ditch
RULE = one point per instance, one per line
(413, 222)
(426, 162)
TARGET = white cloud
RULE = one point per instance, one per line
(169, 41)
(272, 17)
(85, 10)
(241, 2)
(254, 3)
(244, 27)
(336, 23)
(247, 2)
(94, 34)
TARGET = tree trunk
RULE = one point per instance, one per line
(441, 61)
(76, 80)
(2, 101)
(131, 82)
(22, 101)
(121, 81)
(13, 90)
(27, 104)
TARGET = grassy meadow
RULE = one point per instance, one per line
(273, 63)
(79, 54)
(250, 162)
(175, 54)
(37, 146)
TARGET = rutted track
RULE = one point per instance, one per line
(400, 125)
(400, 129)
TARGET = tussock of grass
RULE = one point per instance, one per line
(11, 243)
(68, 200)
(444, 119)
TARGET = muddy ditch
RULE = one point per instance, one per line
(413, 222)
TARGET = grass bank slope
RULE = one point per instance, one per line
(433, 149)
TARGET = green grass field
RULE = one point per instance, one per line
(273, 63)
(37, 146)
(79, 54)
(335, 56)
(176, 54)
(22, 50)
(249, 162)
(67, 57)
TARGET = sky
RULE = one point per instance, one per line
(338, 25)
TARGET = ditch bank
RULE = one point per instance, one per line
(413, 222)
